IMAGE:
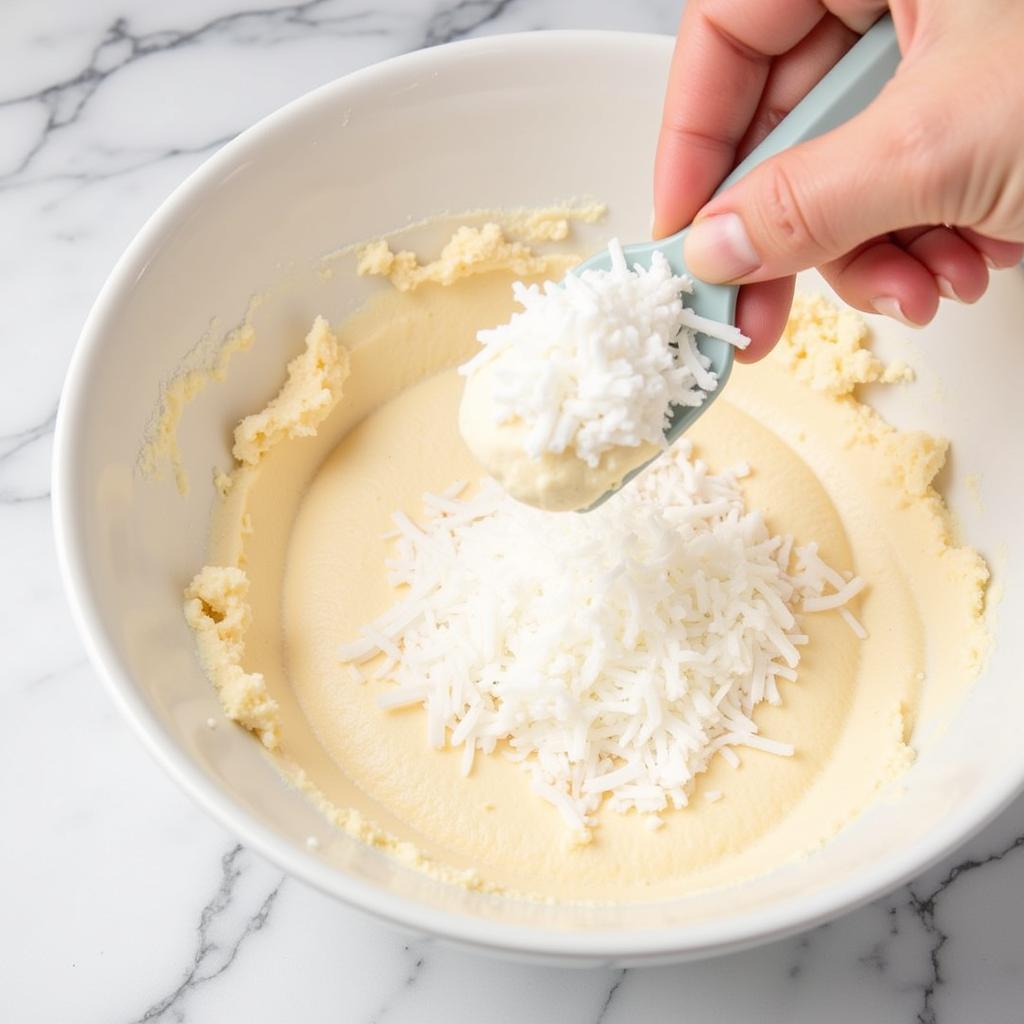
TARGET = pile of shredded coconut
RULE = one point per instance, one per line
(598, 363)
(611, 653)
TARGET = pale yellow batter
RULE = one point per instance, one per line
(303, 524)
(556, 481)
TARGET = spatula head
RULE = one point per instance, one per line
(713, 301)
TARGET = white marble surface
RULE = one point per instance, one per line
(120, 900)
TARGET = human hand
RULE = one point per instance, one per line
(870, 204)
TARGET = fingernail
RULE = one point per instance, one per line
(719, 249)
(946, 289)
(889, 305)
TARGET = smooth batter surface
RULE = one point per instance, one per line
(305, 525)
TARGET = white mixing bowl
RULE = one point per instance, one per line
(509, 121)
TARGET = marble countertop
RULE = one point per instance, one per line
(121, 900)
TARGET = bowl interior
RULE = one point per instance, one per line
(507, 121)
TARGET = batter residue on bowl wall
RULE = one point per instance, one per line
(367, 423)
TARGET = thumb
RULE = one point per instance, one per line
(879, 172)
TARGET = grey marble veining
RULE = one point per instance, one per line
(121, 900)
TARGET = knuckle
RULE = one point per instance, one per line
(912, 142)
(920, 150)
(786, 212)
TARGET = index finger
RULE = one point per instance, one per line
(723, 54)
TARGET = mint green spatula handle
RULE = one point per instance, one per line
(844, 92)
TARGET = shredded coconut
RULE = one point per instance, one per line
(612, 654)
(598, 363)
